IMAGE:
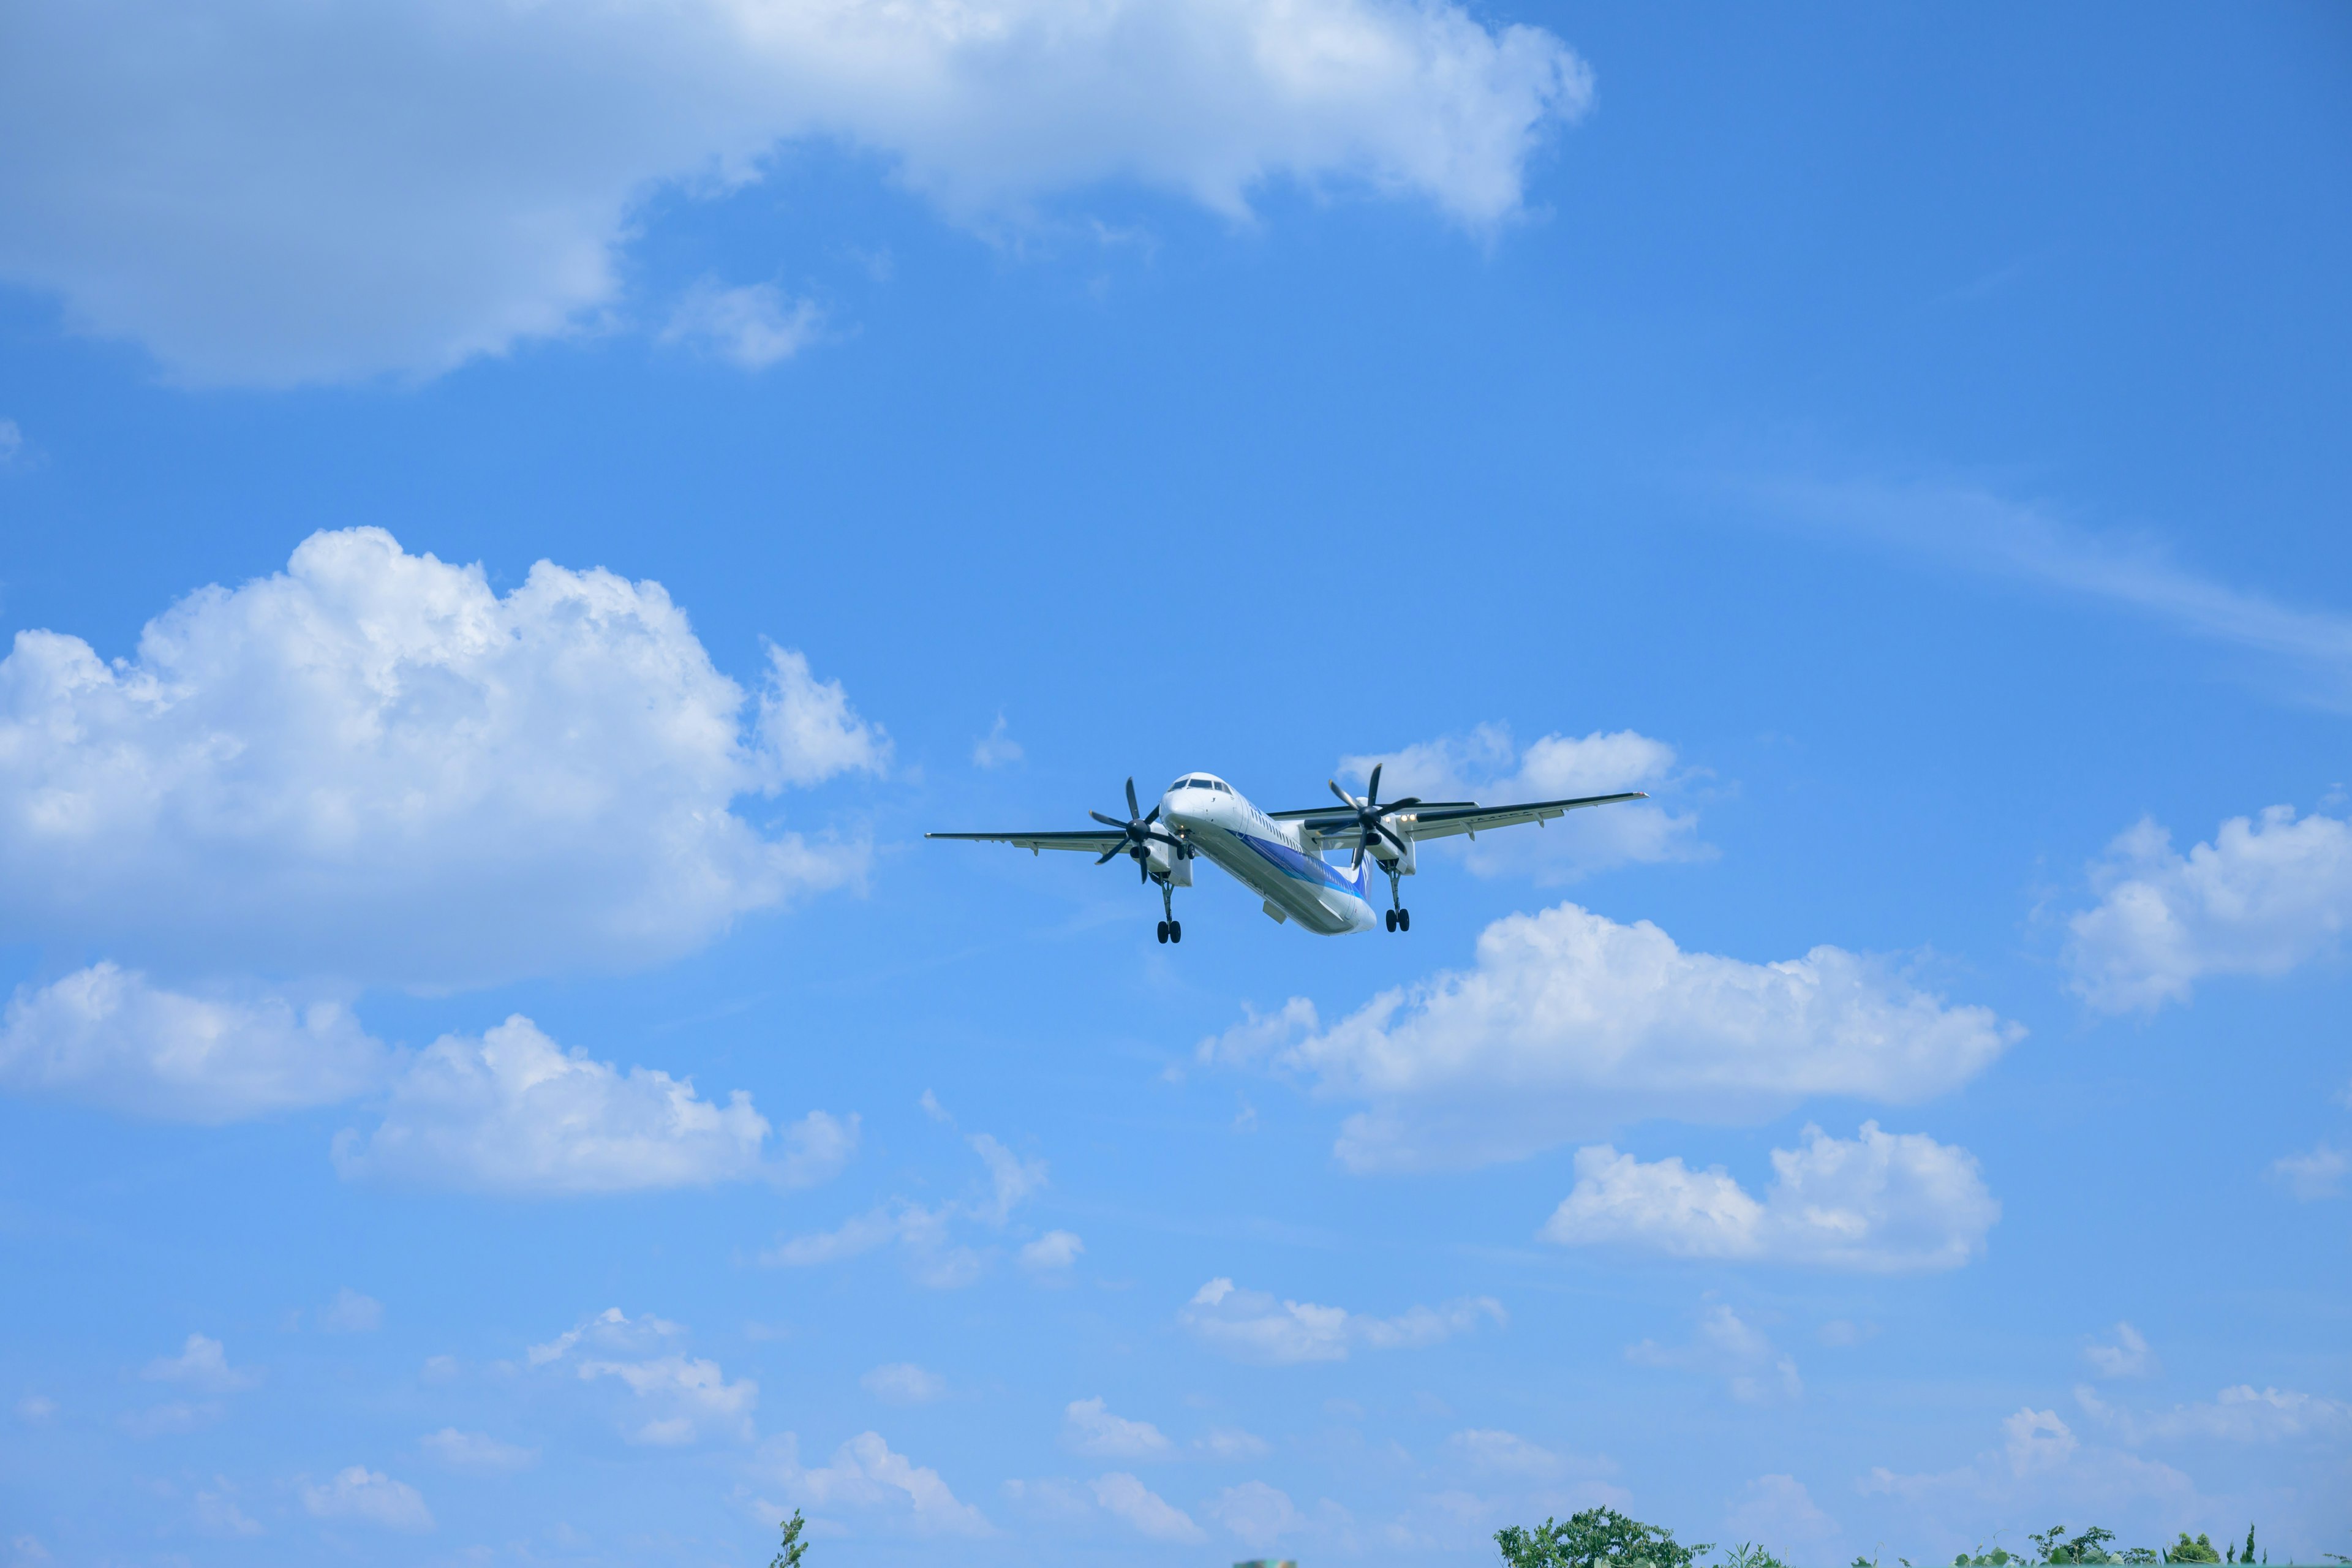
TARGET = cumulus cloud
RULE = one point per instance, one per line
(1124, 1496)
(2318, 1174)
(202, 1366)
(1727, 1346)
(374, 767)
(926, 1234)
(997, 749)
(1571, 1023)
(224, 185)
(2266, 895)
(2129, 1356)
(370, 1497)
(752, 326)
(1053, 1252)
(511, 1111)
(1881, 1203)
(678, 1398)
(1258, 1514)
(865, 1474)
(1252, 1326)
(2241, 1414)
(2041, 1464)
(1488, 766)
(476, 1451)
(904, 1383)
(109, 1037)
(1089, 1427)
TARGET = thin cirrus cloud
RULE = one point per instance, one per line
(2002, 536)
(1878, 1203)
(1253, 1326)
(1488, 766)
(1089, 1427)
(1571, 1023)
(372, 768)
(928, 1236)
(1752, 1369)
(512, 1112)
(752, 327)
(2267, 895)
(219, 183)
(368, 1496)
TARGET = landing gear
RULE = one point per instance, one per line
(1170, 929)
(1399, 917)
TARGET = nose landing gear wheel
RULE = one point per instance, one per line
(1175, 930)
(1163, 932)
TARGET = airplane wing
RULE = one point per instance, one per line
(1092, 840)
(1327, 828)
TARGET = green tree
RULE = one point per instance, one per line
(2248, 1554)
(2198, 1550)
(790, 1554)
(1598, 1538)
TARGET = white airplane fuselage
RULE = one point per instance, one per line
(1264, 856)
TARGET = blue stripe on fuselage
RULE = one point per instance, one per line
(1306, 867)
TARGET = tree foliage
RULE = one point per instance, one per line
(1602, 1538)
(794, 1549)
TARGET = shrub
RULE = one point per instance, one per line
(1602, 1538)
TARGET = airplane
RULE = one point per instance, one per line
(1279, 856)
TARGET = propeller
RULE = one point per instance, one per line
(1141, 828)
(1369, 811)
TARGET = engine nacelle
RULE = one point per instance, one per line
(1388, 857)
(1169, 864)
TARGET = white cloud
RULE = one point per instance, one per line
(924, 1234)
(1258, 1514)
(107, 1036)
(371, 1496)
(352, 1313)
(1124, 1496)
(372, 767)
(2041, 1464)
(1055, 1250)
(35, 1408)
(1486, 765)
(12, 441)
(1571, 1023)
(866, 1474)
(224, 187)
(203, 1365)
(2129, 1356)
(996, 749)
(752, 326)
(1499, 1453)
(680, 1399)
(1232, 1443)
(476, 1451)
(216, 1512)
(1252, 1326)
(1777, 1512)
(513, 1112)
(2318, 1174)
(1753, 1368)
(2240, 1415)
(1089, 1427)
(172, 1418)
(2264, 897)
(1881, 1203)
(1991, 534)
(904, 1383)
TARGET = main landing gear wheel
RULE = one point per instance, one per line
(1404, 920)
(1163, 933)
(1175, 930)
(1390, 915)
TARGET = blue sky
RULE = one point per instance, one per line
(516, 519)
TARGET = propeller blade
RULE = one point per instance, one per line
(1133, 810)
(1357, 863)
(1372, 791)
(1107, 821)
(1151, 816)
(1401, 804)
(1393, 839)
(1343, 794)
(1106, 857)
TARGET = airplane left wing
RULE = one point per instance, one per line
(1338, 829)
(1092, 840)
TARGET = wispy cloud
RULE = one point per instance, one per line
(1975, 528)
